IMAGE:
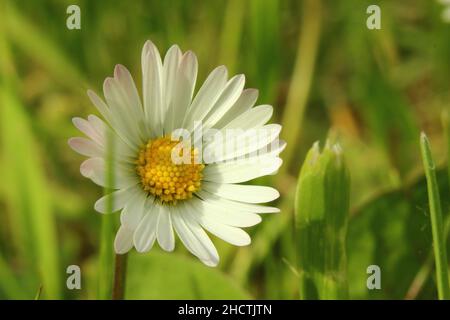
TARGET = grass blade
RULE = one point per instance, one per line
(29, 197)
(301, 79)
(446, 126)
(439, 245)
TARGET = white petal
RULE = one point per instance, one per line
(118, 200)
(233, 235)
(273, 150)
(226, 100)
(236, 145)
(95, 169)
(101, 106)
(85, 147)
(145, 234)
(135, 208)
(253, 118)
(124, 240)
(99, 126)
(246, 100)
(193, 236)
(242, 170)
(152, 82)
(165, 236)
(182, 92)
(122, 151)
(130, 95)
(115, 121)
(121, 111)
(207, 96)
(244, 193)
(222, 214)
(89, 130)
(234, 205)
(170, 69)
(99, 133)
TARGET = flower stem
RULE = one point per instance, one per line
(437, 228)
(120, 270)
(106, 258)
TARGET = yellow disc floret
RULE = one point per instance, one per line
(162, 177)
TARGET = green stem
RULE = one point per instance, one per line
(108, 224)
(106, 261)
(437, 228)
(120, 271)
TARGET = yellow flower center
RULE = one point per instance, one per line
(162, 177)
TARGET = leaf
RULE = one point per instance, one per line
(27, 196)
(171, 276)
(392, 231)
(437, 223)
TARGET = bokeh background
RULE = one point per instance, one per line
(314, 61)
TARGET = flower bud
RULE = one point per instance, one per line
(321, 218)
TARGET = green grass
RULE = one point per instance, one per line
(439, 243)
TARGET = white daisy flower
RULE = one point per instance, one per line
(157, 195)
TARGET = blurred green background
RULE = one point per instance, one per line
(314, 61)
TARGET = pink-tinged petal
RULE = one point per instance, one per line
(85, 147)
(95, 169)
